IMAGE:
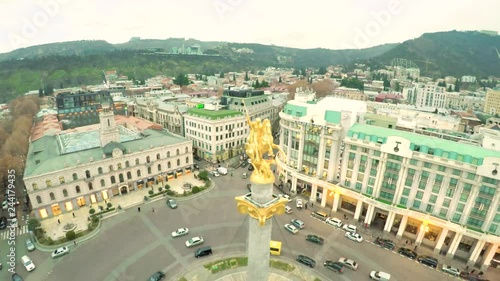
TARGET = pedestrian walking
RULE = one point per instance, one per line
(306, 206)
(153, 209)
(406, 242)
(74, 215)
(312, 204)
(58, 221)
(74, 242)
(415, 247)
(139, 209)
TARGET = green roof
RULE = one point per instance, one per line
(213, 114)
(333, 117)
(295, 110)
(453, 149)
(44, 154)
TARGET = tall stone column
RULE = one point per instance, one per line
(259, 237)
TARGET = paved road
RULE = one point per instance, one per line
(133, 245)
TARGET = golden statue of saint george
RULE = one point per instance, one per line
(260, 141)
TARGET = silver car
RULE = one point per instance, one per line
(195, 241)
(60, 252)
(29, 245)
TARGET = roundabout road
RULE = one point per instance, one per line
(133, 245)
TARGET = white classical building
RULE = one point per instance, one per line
(217, 135)
(69, 169)
(442, 194)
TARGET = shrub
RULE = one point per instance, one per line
(49, 241)
(70, 235)
(195, 189)
(160, 189)
(33, 224)
(92, 211)
(167, 187)
(151, 192)
(109, 205)
(203, 175)
(170, 192)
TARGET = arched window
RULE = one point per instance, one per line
(35, 186)
(111, 167)
(39, 200)
(113, 180)
(168, 154)
(90, 186)
(61, 180)
(159, 167)
(52, 196)
(119, 165)
(148, 159)
(137, 161)
(158, 156)
(87, 174)
(75, 176)
(99, 170)
(129, 175)
(187, 160)
(65, 193)
(178, 162)
(120, 177)
(149, 170)
(138, 173)
(187, 150)
(77, 188)
(169, 165)
(127, 164)
(103, 183)
(177, 152)
(48, 183)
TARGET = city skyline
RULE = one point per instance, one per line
(343, 25)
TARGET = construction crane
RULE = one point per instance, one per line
(427, 62)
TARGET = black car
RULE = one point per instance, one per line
(407, 253)
(306, 261)
(171, 203)
(334, 265)
(250, 168)
(196, 166)
(244, 164)
(157, 276)
(3, 222)
(16, 277)
(427, 260)
(315, 239)
(385, 243)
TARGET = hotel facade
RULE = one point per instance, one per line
(441, 194)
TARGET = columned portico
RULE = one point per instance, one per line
(314, 190)
(293, 188)
(324, 196)
(440, 241)
(336, 200)
(402, 227)
(389, 221)
(420, 234)
(369, 214)
(490, 253)
(454, 245)
(359, 209)
(475, 253)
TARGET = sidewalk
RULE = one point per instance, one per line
(54, 226)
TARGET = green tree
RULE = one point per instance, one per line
(260, 73)
(234, 77)
(195, 189)
(70, 235)
(256, 85)
(322, 70)
(203, 175)
(246, 76)
(279, 80)
(40, 92)
(296, 72)
(221, 75)
(457, 86)
(398, 87)
(181, 80)
(449, 89)
(34, 224)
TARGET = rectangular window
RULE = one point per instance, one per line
(471, 176)
(456, 218)
(442, 168)
(414, 162)
(419, 195)
(403, 201)
(416, 204)
(429, 208)
(457, 172)
(427, 165)
(433, 198)
(446, 202)
(406, 191)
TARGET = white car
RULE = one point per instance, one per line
(299, 204)
(334, 222)
(28, 263)
(180, 232)
(451, 270)
(195, 241)
(350, 228)
(288, 210)
(286, 196)
(60, 252)
(349, 263)
(353, 236)
(215, 174)
(292, 229)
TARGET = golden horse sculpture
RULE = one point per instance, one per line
(260, 141)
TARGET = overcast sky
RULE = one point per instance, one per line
(332, 24)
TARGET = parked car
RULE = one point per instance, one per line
(320, 215)
(334, 222)
(250, 167)
(171, 203)
(196, 166)
(451, 270)
(292, 229)
(315, 239)
(195, 241)
(306, 261)
(29, 245)
(215, 173)
(334, 266)
(427, 260)
(60, 252)
(407, 253)
(180, 232)
(288, 209)
(298, 223)
(349, 263)
(3, 222)
(286, 196)
(157, 276)
(28, 263)
(385, 243)
(350, 228)
(16, 277)
(299, 204)
(379, 275)
(353, 236)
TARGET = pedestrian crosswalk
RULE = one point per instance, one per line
(4, 235)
